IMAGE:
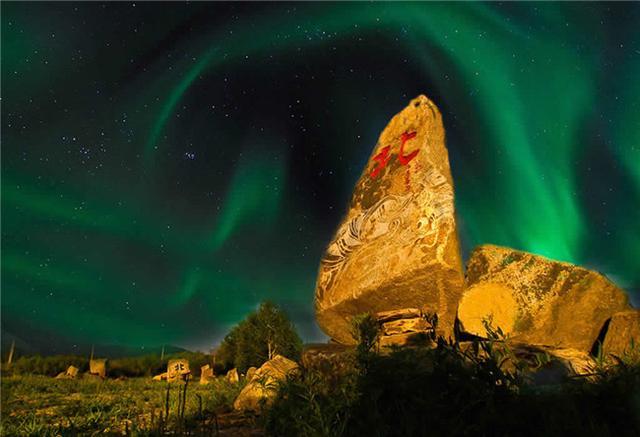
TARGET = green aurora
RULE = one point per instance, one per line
(166, 168)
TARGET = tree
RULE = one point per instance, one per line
(258, 338)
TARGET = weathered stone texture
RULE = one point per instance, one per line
(264, 383)
(537, 300)
(397, 247)
(623, 334)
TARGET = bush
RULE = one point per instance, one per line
(449, 391)
(263, 334)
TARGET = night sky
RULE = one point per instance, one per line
(166, 167)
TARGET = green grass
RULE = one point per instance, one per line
(43, 406)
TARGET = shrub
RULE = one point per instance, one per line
(451, 390)
(263, 334)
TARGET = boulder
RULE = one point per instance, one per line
(233, 376)
(98, 367)
(263, 386)
(160, 377)
(622, 337)
(206, 374)
(536, 300)
(397, 246)
(251, 371)
(70, 373)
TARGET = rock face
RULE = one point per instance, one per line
(397, 247)
(264, 383)
(537, 300)
(623, 330)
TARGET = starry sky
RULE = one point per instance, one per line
(166, 167)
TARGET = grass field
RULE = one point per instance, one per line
(44, 406)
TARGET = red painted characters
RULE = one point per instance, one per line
(383, 157)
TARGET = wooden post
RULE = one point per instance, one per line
(162, 354)
(10, 358)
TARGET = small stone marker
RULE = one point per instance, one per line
(233, 376)
(206, 374)
(177, 369)
(71, 373)
(98, 367)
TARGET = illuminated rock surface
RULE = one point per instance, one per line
(623, 334)
(264, 383)
(397, 247)
(537, 300)
(98, 367)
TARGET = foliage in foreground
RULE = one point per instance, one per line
(42, 406)
(263, 334)
(450, 391)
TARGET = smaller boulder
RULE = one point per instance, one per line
(160, 377)
(251, 371)
(206, 374)
(98, 367)
(622, 338)
(263, 386)
(233, 376)
(71, 373)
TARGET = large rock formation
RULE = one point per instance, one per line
(622, 336)
(397, 247)
(264, 384)
(536, 300)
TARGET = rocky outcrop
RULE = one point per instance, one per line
(536, 300)
(622, 337)
(264, 384)
(397, 247)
